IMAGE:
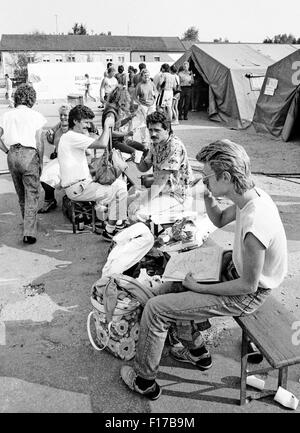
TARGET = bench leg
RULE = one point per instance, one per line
(73, 217)
(244, 358)
(282, 377)
(93, 219)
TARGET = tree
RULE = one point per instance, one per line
(19, 62)
(191, 34)
(281, 39)
(78, 29)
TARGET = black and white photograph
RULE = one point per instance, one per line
(150, 210)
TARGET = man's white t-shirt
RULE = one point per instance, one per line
(20, 125)
(260, 217)
(71, 157)
(110, 83)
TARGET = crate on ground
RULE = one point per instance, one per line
(75, 99)
(79, 211)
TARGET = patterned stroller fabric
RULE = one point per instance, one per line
(117, 331)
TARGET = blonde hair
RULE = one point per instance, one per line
(65, 107)
(225, 155)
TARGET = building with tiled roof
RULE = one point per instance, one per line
(89, 48)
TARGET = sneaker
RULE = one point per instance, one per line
(47, 206)
(129, 377)
(182, 354)
(107, 236)
(29, 240)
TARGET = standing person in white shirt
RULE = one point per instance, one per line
(145, 94)
(87, 85)
(167, 85)
(75, 174)
(109, 83)
(8, 88)
(20, 132)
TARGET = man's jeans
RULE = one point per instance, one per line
(185, 100)
(25, 169)
(175, 303)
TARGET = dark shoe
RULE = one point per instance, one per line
(182, 354)
(254, 355)
(180, 118)
(185, 118)
(129, 377)
(47, 206)
(108, 236)
(29, 240)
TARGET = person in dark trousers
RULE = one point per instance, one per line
(138, 77)
(20, 138)
(186, 80)
(121, 76)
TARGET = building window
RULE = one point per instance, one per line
(121, 59)
(156, 58)
(71, 58)
(143, 58)
(58, 58)
(30, 59)
(46, 59)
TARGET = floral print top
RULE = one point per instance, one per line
(171, 155)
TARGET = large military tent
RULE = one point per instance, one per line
(278, 107)
(234, 74)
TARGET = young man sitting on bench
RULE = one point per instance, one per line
(258, 265)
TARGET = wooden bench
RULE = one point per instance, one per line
(270, 329)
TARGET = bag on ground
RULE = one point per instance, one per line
(117, 307)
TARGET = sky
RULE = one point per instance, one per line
(236, 20)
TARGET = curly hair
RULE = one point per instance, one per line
(25, 95)
(225, 155)
(159, 117)
(120, 97)
(78, 113)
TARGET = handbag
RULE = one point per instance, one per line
(117, 308)
(110, 166)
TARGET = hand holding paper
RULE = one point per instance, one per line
(189, 281)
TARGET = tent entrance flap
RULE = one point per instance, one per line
(200, 90)
(291, 129)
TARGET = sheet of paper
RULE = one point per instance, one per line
(204, 263)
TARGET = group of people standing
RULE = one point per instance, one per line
(170, 90)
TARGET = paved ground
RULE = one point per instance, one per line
(47, 363)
